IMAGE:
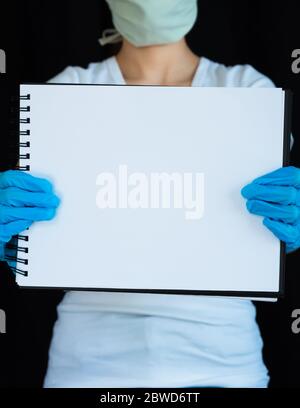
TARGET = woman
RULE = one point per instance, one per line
(153, 340)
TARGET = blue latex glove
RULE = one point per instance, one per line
(276, 197)
(23, 200)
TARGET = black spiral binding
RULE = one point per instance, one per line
(15, 250)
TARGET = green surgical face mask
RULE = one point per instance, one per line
(150, 22)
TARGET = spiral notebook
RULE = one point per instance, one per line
(149, 179)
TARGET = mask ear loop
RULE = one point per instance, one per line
(110, 36)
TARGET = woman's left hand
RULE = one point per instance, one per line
(276, 197)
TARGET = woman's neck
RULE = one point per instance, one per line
(170, 64)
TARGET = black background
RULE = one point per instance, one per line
(43, 37)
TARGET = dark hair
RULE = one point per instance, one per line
(113, 49)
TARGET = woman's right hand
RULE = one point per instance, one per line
(23, 200)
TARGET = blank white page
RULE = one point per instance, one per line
(229, 135)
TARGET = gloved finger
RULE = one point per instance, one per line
(13, 228)
(285, 232)
(13, 196)
(284, 176)
(292, 247)
(2, 255)
(275, 194)
(25, 181)
(284, 213)
(8, 214)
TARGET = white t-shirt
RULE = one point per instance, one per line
(110, 339)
